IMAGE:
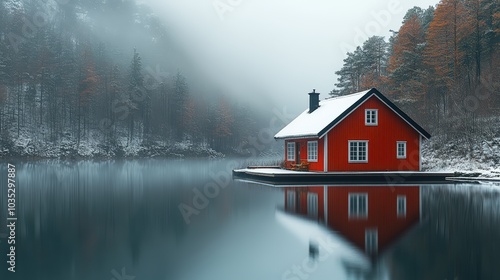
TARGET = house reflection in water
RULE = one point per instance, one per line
(371, 217)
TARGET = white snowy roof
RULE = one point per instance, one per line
(310, 124)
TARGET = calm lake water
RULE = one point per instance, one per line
(187, 219)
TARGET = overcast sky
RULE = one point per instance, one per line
(281, 48)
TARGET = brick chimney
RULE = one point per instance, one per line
(313, 100)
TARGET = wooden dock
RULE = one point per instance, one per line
(288, 177)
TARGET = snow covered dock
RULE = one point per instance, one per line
(284, 176)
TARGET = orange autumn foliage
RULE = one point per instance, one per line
(404, 64)
(448, 28)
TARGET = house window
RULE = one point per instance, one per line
(371, 241)
(401, 202)
(312, 151)
(358, 151)
(290, 151)
(358, 205)
(401, 149)
(312, 204)
(290, 201)
(371, 117)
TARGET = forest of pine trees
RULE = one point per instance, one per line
(441, 67)
(65, 91)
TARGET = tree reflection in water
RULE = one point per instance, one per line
(459, 237)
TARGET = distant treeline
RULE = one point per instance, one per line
(442, 67)
(61, 84)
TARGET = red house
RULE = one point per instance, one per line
(362, 131)
(371, 217)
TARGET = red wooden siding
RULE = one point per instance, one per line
(381, 141)
(382, 212)
(301, 200)
(313, 166)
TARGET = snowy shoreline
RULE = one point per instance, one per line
(91, 149)
(480, 160)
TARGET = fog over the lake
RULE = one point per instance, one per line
(272, 50)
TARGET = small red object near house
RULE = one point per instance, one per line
(362, 131)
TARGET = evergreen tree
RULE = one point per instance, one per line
(350, 74)
(364, 68)
(374, 61)
(406, 66)
(223, 125)
(136, 92)
(177, 105)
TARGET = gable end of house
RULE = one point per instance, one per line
(387, 102)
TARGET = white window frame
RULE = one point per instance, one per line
(290, 156)
(357, 213)
(368, 116)
(312, 152)
(357, 160)
(291, 200)
(371, 234)
(401, 198)
(312, 204)
(399, 156)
